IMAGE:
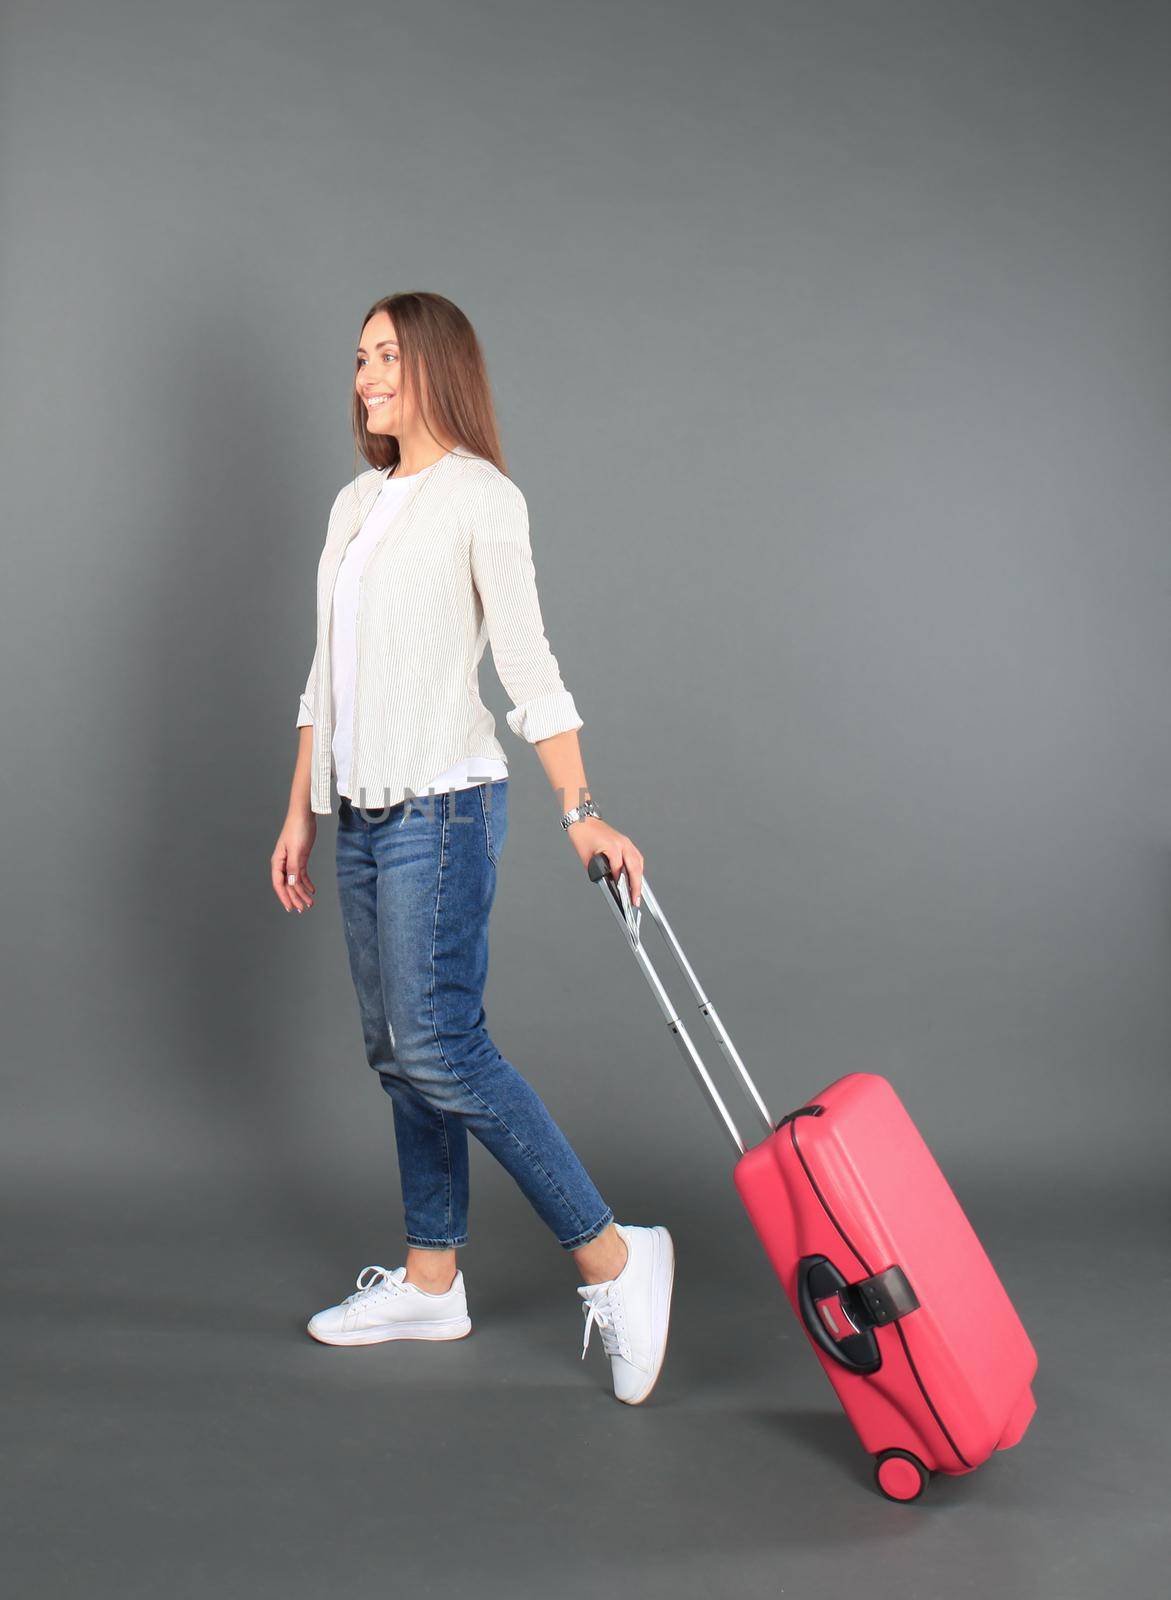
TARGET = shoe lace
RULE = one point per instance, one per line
(382, 1279)
(604, 1313)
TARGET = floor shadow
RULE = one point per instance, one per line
(827, 1433)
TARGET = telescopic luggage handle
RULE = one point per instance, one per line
(628, 918)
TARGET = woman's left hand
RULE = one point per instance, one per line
(591, 834)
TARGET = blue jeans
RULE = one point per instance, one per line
(416, 883)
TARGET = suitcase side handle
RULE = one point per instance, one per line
(627, 917)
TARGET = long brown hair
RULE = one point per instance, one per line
(433, 333)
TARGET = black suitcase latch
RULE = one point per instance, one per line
(885, 1297)
(841, 1317)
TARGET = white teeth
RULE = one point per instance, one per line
(377, 400)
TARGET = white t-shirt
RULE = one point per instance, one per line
(343, 648)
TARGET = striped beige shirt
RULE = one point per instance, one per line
(452, 573)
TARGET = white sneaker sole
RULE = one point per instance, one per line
(452, 1328)
(662, 1281)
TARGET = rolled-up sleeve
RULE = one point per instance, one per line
(305, 717)
(504, 575)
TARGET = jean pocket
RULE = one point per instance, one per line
(494, 806)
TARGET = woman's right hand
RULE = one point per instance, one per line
(291, 882)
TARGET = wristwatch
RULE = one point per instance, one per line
(589, 809)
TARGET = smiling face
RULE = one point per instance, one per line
(378, 380)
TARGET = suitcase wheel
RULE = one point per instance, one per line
(900, 1475)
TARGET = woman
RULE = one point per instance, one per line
(427, 558)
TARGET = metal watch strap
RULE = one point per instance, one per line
(589, 809)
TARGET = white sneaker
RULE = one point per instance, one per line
(386, 1306)
(632, 1312)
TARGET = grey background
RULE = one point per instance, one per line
(830, 348)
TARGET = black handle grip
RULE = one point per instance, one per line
(598, 868)
(817, 1279)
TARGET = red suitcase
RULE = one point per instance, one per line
(895, 1292)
